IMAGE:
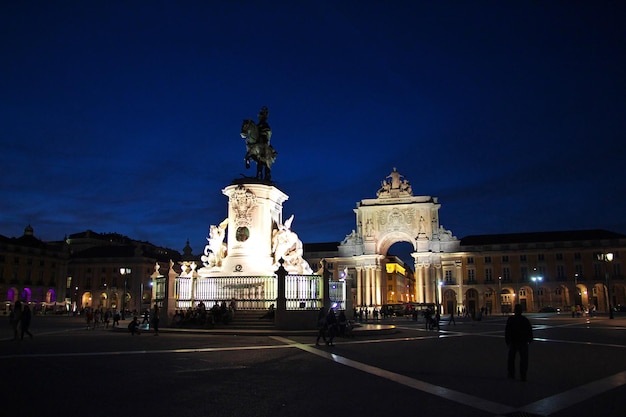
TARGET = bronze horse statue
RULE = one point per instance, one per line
(258, 149)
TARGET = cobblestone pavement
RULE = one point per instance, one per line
(577, 368)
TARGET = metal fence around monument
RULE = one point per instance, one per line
(302, 292)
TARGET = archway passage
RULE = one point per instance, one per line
(399, 228)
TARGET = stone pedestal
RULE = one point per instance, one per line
(254, 211)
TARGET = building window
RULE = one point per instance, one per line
(541, 257)
(522, 258)
(487, 259)
(560, 272)
(471, 275)
(617, 270)
(470, 260)
(597, 270)
(577, 256)
(579, 270)
(522, 293)
(506, 273)
(488, 275)
(524, 273)
(449, 279)
(557, 291)
(505, 258)
(541, 270)
(559, 256)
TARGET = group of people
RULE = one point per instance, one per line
(20, 316)
(150, 318)
(200, 315)
(94, 317)
(329, 325)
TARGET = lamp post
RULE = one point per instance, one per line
(607, 257)
(537, 280)
(576, 289)
(124, 272)
(500, 293)
(435, 286)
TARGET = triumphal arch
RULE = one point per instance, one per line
(397, 215)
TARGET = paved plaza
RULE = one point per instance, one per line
(577, 368)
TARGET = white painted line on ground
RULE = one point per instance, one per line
(567, 399)
(446, 393)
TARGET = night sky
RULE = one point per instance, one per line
(125, 116)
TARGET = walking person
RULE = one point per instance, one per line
(15, 317)
(451, 319)
(331, 326)
(116, 318)
(26, 318)
(321, 326)
(518, 334)
(155, 320)
(88, 317)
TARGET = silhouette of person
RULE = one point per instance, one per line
(15, 318)
(321, 326)
(133, 326)
(331, 326)
(26, 317)
(155, 320)
(518, 334)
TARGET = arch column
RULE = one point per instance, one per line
(359, 286)
(429, 296)
(377, 288)
(368, 286)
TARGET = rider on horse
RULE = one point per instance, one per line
(265, 133)
(257, 137)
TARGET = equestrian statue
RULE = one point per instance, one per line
(258, 148)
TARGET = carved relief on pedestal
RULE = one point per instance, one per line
(243, 202)
(396, 219)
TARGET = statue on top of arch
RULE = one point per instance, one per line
(395, 185)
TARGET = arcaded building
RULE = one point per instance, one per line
(541, 271)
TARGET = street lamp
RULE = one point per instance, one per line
(75, 299)
(537, 280)
(500, 293)
(607, 257)
(124, 272)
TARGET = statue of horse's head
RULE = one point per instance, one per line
(249, 130)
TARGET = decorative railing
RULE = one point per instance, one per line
(255, 292)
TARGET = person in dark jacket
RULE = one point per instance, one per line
(26, 317)
(331, 326)
(321, 326)
(133, 326)
(518, 334)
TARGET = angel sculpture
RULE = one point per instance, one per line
(216, 250)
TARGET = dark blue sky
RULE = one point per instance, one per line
(125, 116)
